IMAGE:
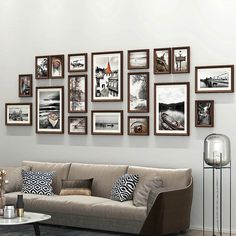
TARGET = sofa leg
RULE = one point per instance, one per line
(184, 231)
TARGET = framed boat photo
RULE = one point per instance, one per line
(138, 59)
(180, 60)
(204, 113)
(162, 61)
(171, 109)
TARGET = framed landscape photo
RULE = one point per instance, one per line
(56, 66)
(180, 60)
(107, 122)
(77, 125)
(77, 93)
(50, 110)
(171, 108)
(107, 76)
(214, 79)
(138, 59)
(77, 62)
(138, 92)
(41, 67)
(18, 114)
(204, 113)
(25, 85)
(162, 61)
(138, 125)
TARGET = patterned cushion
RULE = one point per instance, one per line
(123, 188)
(37, 182)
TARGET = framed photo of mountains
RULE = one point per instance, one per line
(171, 109)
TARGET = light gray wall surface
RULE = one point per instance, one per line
(30, 28)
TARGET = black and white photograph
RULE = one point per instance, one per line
(107, 76)
(17, 114)
(138, 59)
(138, 92)
(204, 113)
(162, 61)
(214, 79)
(172, 108)
(77, 125)
(107, 122)
(41, 67)
(57, 66)
(25, 85)
(77, 93)
(50, 110)
(138, 125)
(77, 62)
(180, 60)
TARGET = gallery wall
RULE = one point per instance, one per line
(30, 28)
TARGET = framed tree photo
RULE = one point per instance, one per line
(162, 61)
(138, 59)
(77, 93)
(56, 67)
(138, 125)
(25, 85)
(204, 113)
(138, 92)
(180, 60)
(50, 110)
(171, 108)
(77, 125)
(77, 62)
(41, 67)
(214, 79)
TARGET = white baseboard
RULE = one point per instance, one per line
(209, 229)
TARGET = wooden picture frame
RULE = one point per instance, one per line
(77, 62)
(56, 66)
(138, 125)
(41, 67)
(50, 110)
(180, 60)
(171, 109)
(18, 114)
(204, 113)
(138, 92)
(77, 125)
(25, 83)
(214, 79)
(138, 59)
(161, 61)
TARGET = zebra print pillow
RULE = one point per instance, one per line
(123, 188)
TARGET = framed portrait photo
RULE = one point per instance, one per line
(204, 113)
(50, 110)
(77, 125)
(214, 79)
(77, 93)
(138, 125)
(171, 108)
(25, 85)
(107, 122)
(180, 60)
(162, 61)
(77, 62)
(107, 76)
(41, 67)
(18, 114)
(56, 67)
(138, 92)
(138, 59)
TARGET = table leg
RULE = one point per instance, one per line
(36, 229)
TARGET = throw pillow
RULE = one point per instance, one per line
(76, 187)
(123, 188)
(37, 182)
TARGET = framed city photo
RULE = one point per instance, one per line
(107, 122)
(204, 113)
(25, 85)
(77, 62)
(138, 125)
(138, 92)
(107, 76)
(162, 61)
(214, 79)
(77, 93)
(171, 108)
(56, 66)
(17, 114)
(138, 59)
(41, 67)
(180, 60)
(77, 125)
(50, 110)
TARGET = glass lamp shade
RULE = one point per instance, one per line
(217, 150)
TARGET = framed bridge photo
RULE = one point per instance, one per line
(214, 79)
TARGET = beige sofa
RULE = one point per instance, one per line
(167, 211)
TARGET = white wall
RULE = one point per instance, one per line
(30, 28)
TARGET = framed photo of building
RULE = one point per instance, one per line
(180, 60)
(41, 67)
(77, 125)
(18, 114)
(204, 113)
(107, 76)
(162, 61)
(107, 122)
(56, 67)
(25, 85)
(50, 110)
(171, 108)
(77, 62)
(138, 59)
(138, 92)
(77, 93)
(214, 79)
(138, 125)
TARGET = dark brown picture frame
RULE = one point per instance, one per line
(25, 82)
(138, 128)
(76, 63)
(136, 67)
(75, 126)
(161, 64)
(204, 114)
(41, 67)
(179, 60)
(56, 65)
